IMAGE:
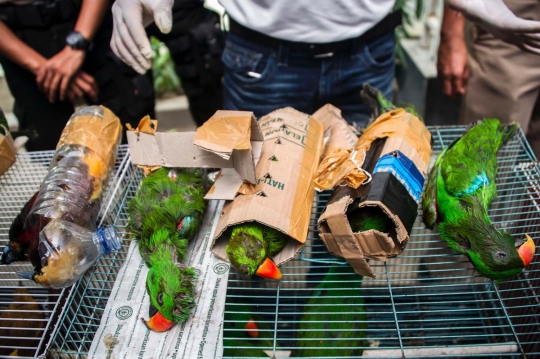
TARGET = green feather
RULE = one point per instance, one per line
(379, 104)
(237, 342)
(165, 214)
(251, 243)
(334, 317)
(369, 217)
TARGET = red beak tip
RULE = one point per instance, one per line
(268, 269)
(251, 328)
(526, 251)
(158, 323)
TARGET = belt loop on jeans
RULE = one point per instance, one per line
(283, 54)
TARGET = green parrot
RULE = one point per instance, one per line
(460, 188)
(250, 247)
(247, 334)
(164, 216)
(370, 218)
(333, 322)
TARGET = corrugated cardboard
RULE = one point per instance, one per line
(7, 152)
(229, 139)
(385, 190)
(283, 196)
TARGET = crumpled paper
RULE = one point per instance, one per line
(345, 165)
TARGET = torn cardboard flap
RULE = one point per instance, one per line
(7, 152)
(227, 131)
(232, 139)
(282, 196)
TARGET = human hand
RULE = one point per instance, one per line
(129, 41)
(54, 75)
(452, 66)
(82, 84)
(495, 17)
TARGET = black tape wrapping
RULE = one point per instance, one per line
(383, 188)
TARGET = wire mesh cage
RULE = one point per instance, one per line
(28, 312)
(428, 302)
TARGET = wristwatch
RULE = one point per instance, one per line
(77, 42)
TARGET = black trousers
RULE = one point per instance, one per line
(129, 95)
(196, 44)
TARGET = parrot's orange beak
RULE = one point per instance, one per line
(251, 328)
(268, 269)
(526, 251)
(158, 323)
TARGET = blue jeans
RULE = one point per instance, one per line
(262, 79)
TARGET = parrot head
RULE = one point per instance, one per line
(249, 252)
(171, 292)
(500, 256)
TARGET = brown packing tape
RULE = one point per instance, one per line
(282, 197)
(338, 149)
(146, 125)
(7, 152)
(148, 169)
(100, 134)
(396, 123)
(400, 144)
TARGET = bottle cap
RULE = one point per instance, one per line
(107, 240)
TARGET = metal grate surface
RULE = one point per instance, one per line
(28, 312)
(424, 303)
(428, 302)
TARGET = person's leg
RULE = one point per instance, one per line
(533, 131)
(196, 44)
(504, 82)
(342, 80)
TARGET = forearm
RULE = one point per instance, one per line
(90, 17)
(452, 24)
(17, 51)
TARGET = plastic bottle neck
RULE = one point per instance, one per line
(106, 240)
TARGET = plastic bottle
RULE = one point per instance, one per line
(64, 241)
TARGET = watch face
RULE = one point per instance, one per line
(76, 41)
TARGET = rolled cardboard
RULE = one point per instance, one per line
(282, 197)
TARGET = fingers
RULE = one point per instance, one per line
(448, 89)
(74, 91)
(520, 25)
(458, 85)
(53, 87)
(163, 15)
(128, 51)
(529, 48)
(63, 87)
(87, 85)
(133, 23)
